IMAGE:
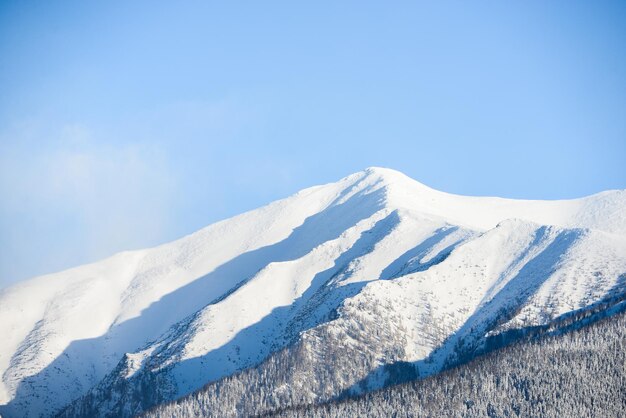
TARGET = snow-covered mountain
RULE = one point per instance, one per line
(375, 269)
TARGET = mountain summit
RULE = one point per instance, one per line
(359, 284)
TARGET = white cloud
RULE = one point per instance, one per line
(75, 199)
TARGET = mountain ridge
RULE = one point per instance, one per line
(187, 306)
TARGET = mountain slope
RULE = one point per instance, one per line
(577, 374)
(436, 271)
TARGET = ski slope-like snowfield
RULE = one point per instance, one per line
(445, 269)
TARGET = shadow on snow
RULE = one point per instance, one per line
(58, 378)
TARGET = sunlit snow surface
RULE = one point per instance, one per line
(445, 268)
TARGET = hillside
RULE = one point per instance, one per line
(582, 373)
(346, 281)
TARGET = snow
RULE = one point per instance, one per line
(226, 296)
(603, 211)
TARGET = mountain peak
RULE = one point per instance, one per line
(483, 213)
(391, 176)
(382, 171)
(228, 296)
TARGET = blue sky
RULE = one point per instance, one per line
(128, 124)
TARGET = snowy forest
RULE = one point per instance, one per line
(579, 374)
(551, 373)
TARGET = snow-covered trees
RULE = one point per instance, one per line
(580, 373)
